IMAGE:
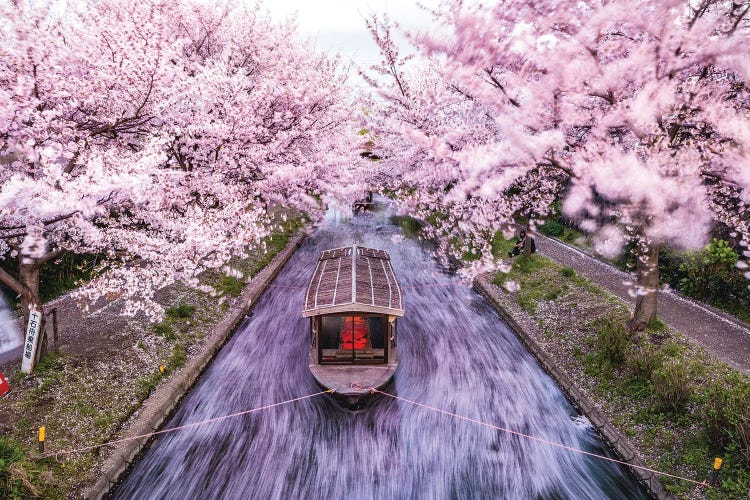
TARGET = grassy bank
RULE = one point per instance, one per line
(679, 405)
(87, 393)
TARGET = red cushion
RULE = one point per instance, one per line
(354, 334)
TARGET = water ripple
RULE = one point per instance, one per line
(455, 353)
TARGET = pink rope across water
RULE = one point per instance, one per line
(172, 429)
(427, 285)
(541, 440)
(432, 408)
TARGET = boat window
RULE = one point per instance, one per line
(377, 331)
(353, 339)
(329, 331)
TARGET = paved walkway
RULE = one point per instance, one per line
(722, 334)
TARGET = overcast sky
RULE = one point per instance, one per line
(339, 25)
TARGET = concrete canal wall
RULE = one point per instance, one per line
(157, 408)
(523, 329)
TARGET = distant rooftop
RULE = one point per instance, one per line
(353, 279)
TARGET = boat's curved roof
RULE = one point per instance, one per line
(353, 279)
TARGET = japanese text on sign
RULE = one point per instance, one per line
(32, 337)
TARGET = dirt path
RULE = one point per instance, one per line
(79, 333)
(723, 335)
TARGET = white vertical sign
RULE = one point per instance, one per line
(31, 340)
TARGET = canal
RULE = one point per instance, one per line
(455, 353)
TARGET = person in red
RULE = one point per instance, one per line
(354, 333)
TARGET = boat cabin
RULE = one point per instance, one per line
(364, 203)
(353, 302)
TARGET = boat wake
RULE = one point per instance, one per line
(455, 353)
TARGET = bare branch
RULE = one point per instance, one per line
(50, 255)
(11, 282)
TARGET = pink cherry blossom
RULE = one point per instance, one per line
(160, 134)
(635, 114)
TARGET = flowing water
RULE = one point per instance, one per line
(455, 353)
(10, 336)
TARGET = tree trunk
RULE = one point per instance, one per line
(527, 245)
(27, 286)
(28, 276)
(647, 270)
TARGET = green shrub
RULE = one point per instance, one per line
(107, 420)
(15, 482)
(558, 226)
(641, 361)
(66, 273)
(50, 362)
(673, 384)
(742, 439)
(657, 326)
(552, 228)
(708, 271)
(177, 358)
(471, 255)
(499, 278)
(9, 453)
(165, 330)
(146, 385)
(57, 276)
(670, 261)
(724, 404)
(573, 237)
(612, 340)
(182, 311)
(229, 285)
(568, 272)
(435, 219)
(527, 300)
(627, 261)
(712, 275)
(709, 275)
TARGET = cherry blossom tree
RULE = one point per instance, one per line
(159, 135)
(636, 114)
(419, 122)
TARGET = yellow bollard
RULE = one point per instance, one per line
(42, 434)
(714, 479)
(161, 368)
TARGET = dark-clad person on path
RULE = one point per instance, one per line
(525, 244)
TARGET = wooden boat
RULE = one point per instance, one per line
(353, 302)
(365, 203)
